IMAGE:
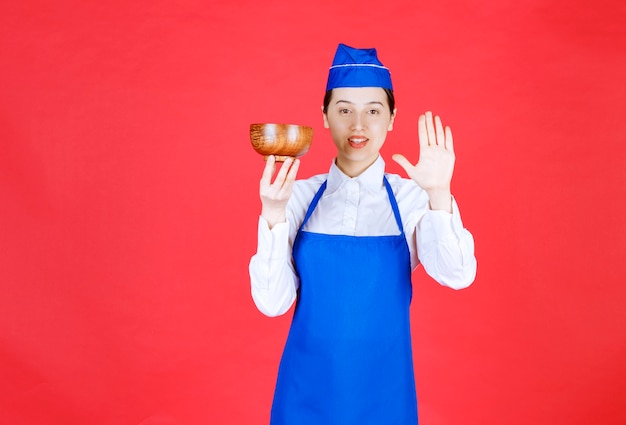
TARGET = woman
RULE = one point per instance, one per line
(344, 245)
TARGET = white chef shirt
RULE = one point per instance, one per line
(360, 206)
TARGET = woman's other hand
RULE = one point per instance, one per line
(276, 194)
(433, 171)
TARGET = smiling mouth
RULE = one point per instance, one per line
(358, 141)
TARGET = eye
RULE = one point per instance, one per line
(374, 112)
(344, 111)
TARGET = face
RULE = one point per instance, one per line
(358, 119)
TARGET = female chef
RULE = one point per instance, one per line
(344, 244)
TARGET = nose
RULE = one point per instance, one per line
(357, 123)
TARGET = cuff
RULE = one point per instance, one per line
(441, 225)
(273, 244)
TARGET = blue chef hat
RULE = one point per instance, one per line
(357, 68)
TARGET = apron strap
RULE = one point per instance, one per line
(394, 204)
(313, 204)
(392, 200)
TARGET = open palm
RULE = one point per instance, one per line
(433, 171)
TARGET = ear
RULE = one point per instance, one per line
(325, 118)
(393, 117)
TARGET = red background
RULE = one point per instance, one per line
(128, 202)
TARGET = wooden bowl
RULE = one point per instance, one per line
(281, 140)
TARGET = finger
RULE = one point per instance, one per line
(440, 134)
(268, 171)
(291, 175)
(293, 170)
(421, 132)
(402, 161)
(449, 142)
(282, 173)
(430, 129)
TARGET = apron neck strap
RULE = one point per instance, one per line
(394, 204)
(392, 200)
(313, 204)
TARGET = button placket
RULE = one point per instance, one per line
(352, 204)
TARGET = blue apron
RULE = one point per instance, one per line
(348, 358)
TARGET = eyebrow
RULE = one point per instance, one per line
(373, 102)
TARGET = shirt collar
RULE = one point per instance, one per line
(370, 179)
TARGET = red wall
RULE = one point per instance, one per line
(128, 202)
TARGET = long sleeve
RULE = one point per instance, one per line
(274, 281)
(445, 248)
(360, 207)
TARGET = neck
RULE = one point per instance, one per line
(353, 169)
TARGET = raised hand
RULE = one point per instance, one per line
(433, 171)
(275, 195)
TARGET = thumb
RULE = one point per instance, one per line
(402, 161)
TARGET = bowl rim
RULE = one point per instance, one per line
(280, 124)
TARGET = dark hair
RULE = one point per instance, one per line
(390, 99)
